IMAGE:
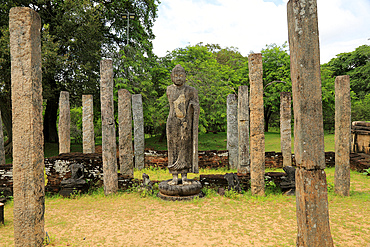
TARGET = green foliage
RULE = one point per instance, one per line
(356, 64)
(76, 35)
(209, 192)
(360, 109)
(366, 172)
(214, 72)
(232, 194)
(276, 79)
(76, 125)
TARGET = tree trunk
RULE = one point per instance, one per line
(6, 114)
(50, 120)
(268, 113)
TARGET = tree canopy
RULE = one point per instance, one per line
(76, 35)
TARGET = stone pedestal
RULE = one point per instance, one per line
(257, 125)
(28, 139)
(180, 192)
(342, 135)
(243, 130)
(125, 133)
(64, 123)
(88, 140)
(138, 116)
(108, 128)
(232, 130)
(285, 128)
(312, 202)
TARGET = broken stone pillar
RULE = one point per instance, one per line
(28, 139)
(232, 130)
(342, 135)
(311, 186)
(2, 148)
(257, 140)
(138, 116)
(108, 128)
(64, 126)
(285, 128)
(88, 137)
(125, 133)
(243, 130)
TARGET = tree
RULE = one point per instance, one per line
(276, 79)
(356, 64)
(76, 35)
(213, 80)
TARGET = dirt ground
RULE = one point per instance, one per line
(129, 220)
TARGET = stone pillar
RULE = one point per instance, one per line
(88, 137)
(28, 139)
(285, 128)
(342, 135)
(64, 126)
(232, 130)
(125, 133)
(138, 116)
(243, 130)
(2, 148)
(311, 187)
(108, 128)
(257, 125)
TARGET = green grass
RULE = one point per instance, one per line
(207, 141)
(210, 141)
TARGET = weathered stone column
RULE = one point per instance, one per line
(28, 139)
(138, 116)
(88, 137)
(2, 148)
(232, 130)
(286, 128)
(125, 133)
(311, 187)
(257, 125)
(342, 135)
(108, 128)
(64, 126)
(243, 130)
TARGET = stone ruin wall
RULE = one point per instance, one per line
(57, 167)
(360, 137)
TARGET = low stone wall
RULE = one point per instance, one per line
(57, 167)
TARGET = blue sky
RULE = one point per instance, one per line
(250, 25)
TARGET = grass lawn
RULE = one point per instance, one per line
(129, 219)
(210, 141)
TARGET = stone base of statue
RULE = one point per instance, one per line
(73, 187)
(180, 192)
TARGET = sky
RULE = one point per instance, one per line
(250, 25)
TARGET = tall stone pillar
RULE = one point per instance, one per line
(28, 140)
(125, 133)
(342, 135)
(311, 187)
(88, 137)
(243, 130)
(64, 126)
(138, 116)
(232, 130)
(2, 148)
(257, 125)
(286, 128)
(108, 128)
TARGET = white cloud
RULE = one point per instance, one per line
(250, 25)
